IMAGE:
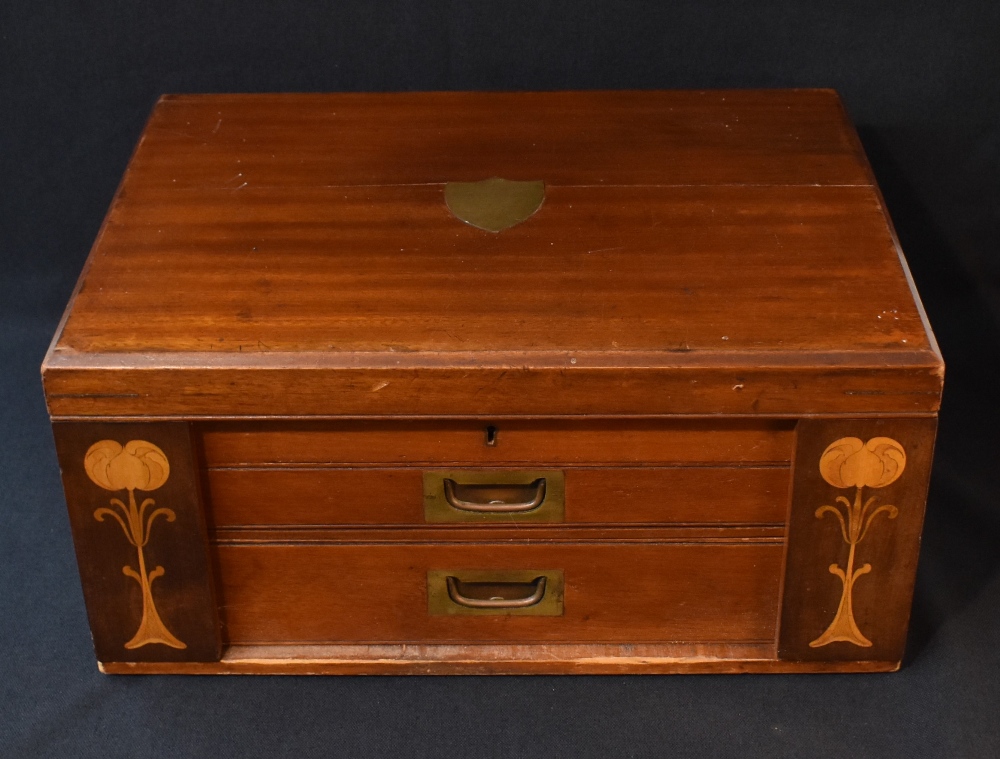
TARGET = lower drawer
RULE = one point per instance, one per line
(378, 592)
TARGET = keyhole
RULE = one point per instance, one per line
(491, 436)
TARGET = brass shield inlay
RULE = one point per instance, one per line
(494, 204)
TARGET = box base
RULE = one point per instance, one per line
(481, 659)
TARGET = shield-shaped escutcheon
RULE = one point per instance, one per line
(494, 204)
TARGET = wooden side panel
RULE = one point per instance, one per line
(141, 542)
(859, 492)
(534, 443)
(698, 495)
(377, 592)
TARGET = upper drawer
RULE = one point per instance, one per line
(543, 442)
(282, 497)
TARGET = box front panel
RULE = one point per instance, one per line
(667, 531)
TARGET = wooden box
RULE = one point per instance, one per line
(582, 382)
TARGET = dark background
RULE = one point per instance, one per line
(921, 79)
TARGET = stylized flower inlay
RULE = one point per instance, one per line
(850, 463)
(137, 465)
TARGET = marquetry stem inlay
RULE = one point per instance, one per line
(850, 463)
(142, 466)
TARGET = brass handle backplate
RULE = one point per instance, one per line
(470, 495)
(525, 592)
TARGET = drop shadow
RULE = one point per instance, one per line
(959, 555)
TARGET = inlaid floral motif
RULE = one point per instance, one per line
(850, 463)
(137, 465)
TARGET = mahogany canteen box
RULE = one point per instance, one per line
(567, 382)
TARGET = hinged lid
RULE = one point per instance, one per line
(658, 253)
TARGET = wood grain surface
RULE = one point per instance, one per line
(510, 533)
(378, 592)
(381, 269)
(303, 385)
(695, 253)
(640, 495)
(494, 659)
(567, 138)
(539, 443)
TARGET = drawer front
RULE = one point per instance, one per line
(283, 496)
(465, 443)
(378, 592)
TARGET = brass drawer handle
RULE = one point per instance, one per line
(495, 498)
(496, 595)
(494, 495)
(495, 592)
